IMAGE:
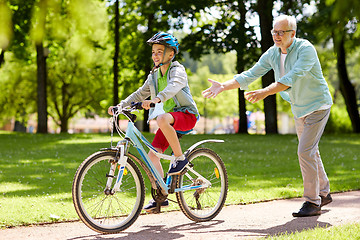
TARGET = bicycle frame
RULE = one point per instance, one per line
(135, 136)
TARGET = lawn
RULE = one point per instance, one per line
(36, 171)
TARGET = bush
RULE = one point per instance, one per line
(339, 121)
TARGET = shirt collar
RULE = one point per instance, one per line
(289, 49)
(291, 46)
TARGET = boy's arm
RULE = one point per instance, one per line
(139, 95)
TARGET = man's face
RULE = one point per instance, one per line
(158, 54)
(286, 40)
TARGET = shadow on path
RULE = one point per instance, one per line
(156, 232)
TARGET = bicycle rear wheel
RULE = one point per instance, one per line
(104, 212)
(203, 204)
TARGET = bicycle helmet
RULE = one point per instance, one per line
(165, 39)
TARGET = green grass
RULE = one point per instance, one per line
(36, 171)
(346, 232)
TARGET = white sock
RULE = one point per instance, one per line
(181, 158)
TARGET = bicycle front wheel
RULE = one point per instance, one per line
(203, 204)
(100, 210)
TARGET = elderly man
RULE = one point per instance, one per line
(299, 79)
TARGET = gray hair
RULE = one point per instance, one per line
(290, 19)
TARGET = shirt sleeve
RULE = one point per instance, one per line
(307, 58)
(139, 95)
(258, 70)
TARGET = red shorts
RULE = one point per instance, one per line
(182, 122)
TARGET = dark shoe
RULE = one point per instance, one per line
(178, 166)
(325, 200)
(308, 209)
(152, 205)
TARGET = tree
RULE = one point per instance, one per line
(228, 32)
(79, 62)
(15, 30)
(264, 8)
(337, 21)
(38, 35)
(344, 17)
(140, 21)
(5, 29)
(116, 54)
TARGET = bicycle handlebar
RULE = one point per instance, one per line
(138, 105)
(134, 105)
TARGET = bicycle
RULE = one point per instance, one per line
(109, 191)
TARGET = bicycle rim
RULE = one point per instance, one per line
(205, 203)
(107, 213)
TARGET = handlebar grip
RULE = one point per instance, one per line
(114, 109)
(138, 105)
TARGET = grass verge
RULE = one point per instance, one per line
(347, 231)
(36, 171)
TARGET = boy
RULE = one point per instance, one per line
(167, 84)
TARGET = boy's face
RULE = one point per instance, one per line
(158, 54)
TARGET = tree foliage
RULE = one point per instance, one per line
(79, 35)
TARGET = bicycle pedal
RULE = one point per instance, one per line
(153, 211)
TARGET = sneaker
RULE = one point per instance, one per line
(178, 166)
(325, 200)
(308, 209)
(152, 205)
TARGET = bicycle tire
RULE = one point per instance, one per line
(203, 204)
(107, 213)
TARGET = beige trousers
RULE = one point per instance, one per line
(309, 130)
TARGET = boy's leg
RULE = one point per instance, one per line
(165, 122)
(169, 123)
(156, 161)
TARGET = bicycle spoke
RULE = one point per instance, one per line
(205, 202)
(107, 212)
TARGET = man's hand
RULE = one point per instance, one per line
(214, 90)
(257, 95)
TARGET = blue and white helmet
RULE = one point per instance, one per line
(165, 39)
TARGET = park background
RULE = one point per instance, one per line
(63, 63)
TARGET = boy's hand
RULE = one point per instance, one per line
(146, 103)
(110, 110)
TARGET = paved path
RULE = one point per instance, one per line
(234, 222)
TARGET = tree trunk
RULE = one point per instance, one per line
(346, 88)
(243, 122)
(64, 125)
(2, 57)
(240, 63)
(264, 10)
(147, 66)
(41, 89)
(116, 55)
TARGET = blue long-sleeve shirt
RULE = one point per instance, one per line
(308, 90)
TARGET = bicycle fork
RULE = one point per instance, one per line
(119, 161)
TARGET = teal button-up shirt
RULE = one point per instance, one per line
(308, 90)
